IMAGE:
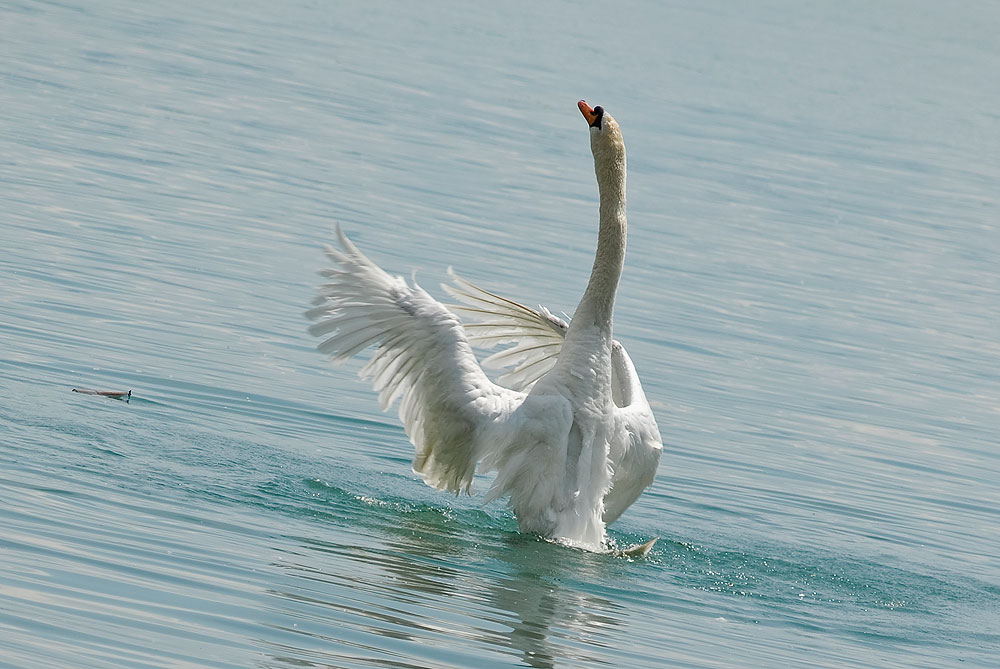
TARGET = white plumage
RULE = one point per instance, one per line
(569, 432)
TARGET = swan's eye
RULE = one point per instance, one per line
(598, 116)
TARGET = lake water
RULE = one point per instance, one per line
(811, 298)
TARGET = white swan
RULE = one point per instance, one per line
(573, 440)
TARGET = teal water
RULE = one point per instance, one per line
(811, 298)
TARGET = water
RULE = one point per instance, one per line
(811, 298)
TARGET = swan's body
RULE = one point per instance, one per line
(573, 440)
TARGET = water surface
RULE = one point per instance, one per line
(811, 298)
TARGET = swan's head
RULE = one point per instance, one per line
(605, 135)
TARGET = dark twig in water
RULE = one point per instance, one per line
(113, 394)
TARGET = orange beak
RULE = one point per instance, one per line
(587, 111)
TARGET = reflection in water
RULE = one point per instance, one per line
(436, 578)
(552, 621)
(517, 578)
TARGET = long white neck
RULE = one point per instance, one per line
(597, 306)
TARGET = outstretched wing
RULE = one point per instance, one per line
(536, 336)
(423, 359)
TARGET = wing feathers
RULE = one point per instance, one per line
(536, 337)
(422, 359)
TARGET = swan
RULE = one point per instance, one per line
(567, 428)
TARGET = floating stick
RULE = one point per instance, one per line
(113, 394)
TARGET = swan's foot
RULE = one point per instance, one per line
(639, 550)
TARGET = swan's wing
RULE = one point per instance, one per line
(447, 403)
(635, 447)
(536, 335)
